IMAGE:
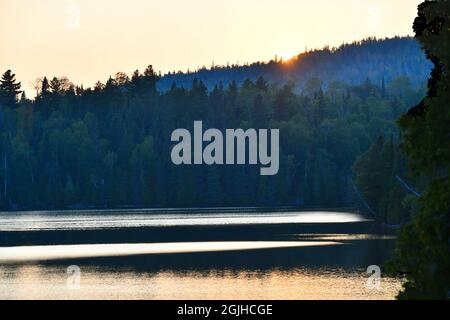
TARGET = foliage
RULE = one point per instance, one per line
(424, 244)
(377, 177)
(109, 146)
(351, 63)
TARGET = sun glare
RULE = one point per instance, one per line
(288, 56)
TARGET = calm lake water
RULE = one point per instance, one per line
(97, 219)
(139, 254)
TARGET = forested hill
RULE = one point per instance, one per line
(350, 63)
(110, 146)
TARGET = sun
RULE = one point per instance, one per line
(288, 55)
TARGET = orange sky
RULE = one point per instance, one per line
(87, 40)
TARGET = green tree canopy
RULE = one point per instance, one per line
(424, 244)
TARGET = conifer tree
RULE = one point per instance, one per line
(9, 89)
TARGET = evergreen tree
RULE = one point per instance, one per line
(55, 86)
(9, 89)
(45, 88)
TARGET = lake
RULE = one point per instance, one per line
(192, 254)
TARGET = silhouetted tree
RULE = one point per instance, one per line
(423, 248)
(9, 89)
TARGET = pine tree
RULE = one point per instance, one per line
(45, 88)
(261, 84)
(55, 85)
(9, 89)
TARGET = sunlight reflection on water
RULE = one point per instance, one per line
(58, 252)
(333, 269)
(79, 220)
(48, 282)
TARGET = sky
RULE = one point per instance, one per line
(88, 40)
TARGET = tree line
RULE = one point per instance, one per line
(352, 63)
(109, 146)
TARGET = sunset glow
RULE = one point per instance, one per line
(90, 40)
